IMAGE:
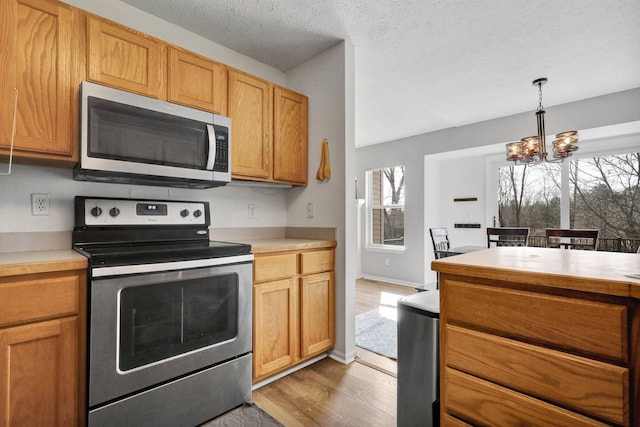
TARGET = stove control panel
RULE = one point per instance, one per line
(122, 212)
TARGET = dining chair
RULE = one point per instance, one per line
(507, 236)
(440, 240)
(585, 239)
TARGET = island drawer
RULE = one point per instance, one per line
(38, 298)
(272, 267)
(596, 388)
(480, 402)
(581, 326)
(316, 261)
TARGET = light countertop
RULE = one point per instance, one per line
(29, 262)
(609, 273)
(262, 246)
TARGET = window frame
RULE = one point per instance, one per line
(370, 207)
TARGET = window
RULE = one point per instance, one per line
(529, 196)
(601, 192)
(605, 194)
(385, 207)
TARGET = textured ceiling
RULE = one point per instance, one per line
(425, 65)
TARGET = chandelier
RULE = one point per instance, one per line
(533, 149)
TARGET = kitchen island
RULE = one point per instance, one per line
(537, 336)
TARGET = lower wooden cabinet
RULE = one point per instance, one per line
(522, 350)
(317, 313)
(39, 368)
(42, 350)
(294, 309)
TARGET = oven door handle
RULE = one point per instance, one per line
(168, 266)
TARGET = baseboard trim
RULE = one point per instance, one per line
(401, 283)
(287, 372)
(342, 357)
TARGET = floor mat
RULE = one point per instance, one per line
(377, 333)
(245, 415)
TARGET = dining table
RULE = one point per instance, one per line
(458, 250)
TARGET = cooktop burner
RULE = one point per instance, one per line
(134, 253)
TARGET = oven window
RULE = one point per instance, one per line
(164, 320)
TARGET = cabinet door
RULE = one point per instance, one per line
(250, 108)
(197, 82)
(38, 58)
(275, 334)
(39, 371)
(317, 313)
(125, 59)
(290, 138)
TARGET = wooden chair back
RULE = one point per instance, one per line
(585, 239)
(440, 240)
(507, 236)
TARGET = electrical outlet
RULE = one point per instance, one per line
(386, 261)
(39, 204)
(310, 210)
(252, 210)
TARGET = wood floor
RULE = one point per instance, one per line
(329, 393)
(372, 295)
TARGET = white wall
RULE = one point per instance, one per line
(436, 180)
(328, 81)
(229, 205)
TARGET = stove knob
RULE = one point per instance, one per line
(96, 211)
(184, 213)
(197, 213)
(114, 212)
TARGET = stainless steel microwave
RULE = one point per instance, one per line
(133, 139)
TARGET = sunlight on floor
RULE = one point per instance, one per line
(388, 304)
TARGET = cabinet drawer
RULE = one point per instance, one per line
(274, 267)
(593, 387)
(316, 262)
(480, 402)
(587, 327)
(44, 298)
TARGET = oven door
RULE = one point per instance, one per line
(151, 327)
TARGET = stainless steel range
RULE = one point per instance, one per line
(169, 313)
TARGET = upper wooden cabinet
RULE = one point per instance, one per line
(196, 81)
(290, 138)
(250, 109)
(126, 59)
(38, 60)
(269, 131)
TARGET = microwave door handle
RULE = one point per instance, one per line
(211, 136)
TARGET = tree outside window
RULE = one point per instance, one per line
(604, 194)
(386, 206)
(529, 196)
